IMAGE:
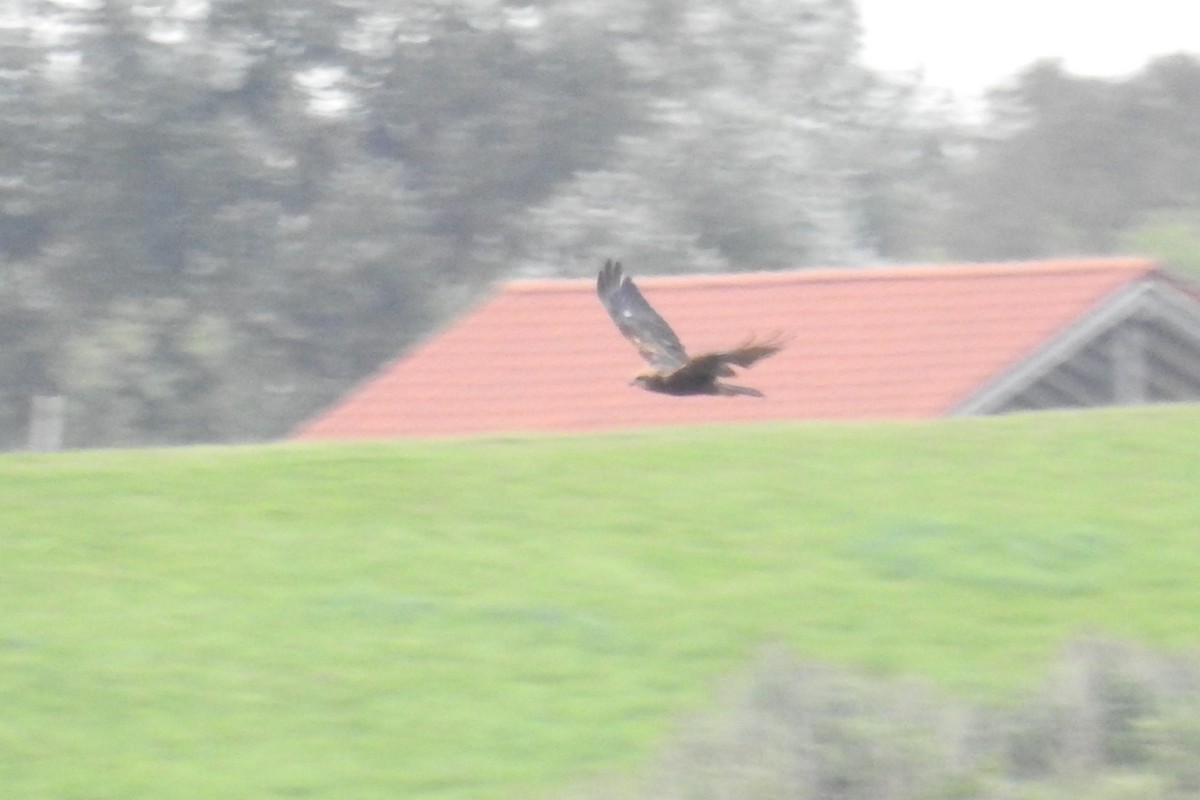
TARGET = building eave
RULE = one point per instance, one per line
(1156, 296)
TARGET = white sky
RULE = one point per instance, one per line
(969, 45)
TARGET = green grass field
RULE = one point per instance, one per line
(496, 618)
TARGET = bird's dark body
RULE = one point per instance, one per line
(674, 372)
(692, 385)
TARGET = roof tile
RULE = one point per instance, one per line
(902, 342)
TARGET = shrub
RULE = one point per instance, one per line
(1113, 721)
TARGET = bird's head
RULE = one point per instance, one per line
(644, 381)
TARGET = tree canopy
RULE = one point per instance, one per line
(216, 217)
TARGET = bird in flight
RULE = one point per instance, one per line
(673, 372)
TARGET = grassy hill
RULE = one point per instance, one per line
(487, 618)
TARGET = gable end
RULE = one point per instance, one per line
(1139, 345)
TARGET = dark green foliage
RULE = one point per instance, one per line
(1113, 721)
(213, 223)
(1172, 236)
(215, 219)
(1068, 162)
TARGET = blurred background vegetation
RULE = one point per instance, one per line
(216, 217)
(1112, 721)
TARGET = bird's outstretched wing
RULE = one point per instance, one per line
(753, 350)
(719, 364)
(637, 320)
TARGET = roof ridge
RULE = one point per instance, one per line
(829, 274)
(898, 342)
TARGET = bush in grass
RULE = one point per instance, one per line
(1113, 721)
(1093, 711)
(797, 731)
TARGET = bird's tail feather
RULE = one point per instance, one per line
(732, 389)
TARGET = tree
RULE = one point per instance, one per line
(762, 146)
(215, 217)
(1173, 237)
(1073, 161)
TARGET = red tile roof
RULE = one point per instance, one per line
(903, 342)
